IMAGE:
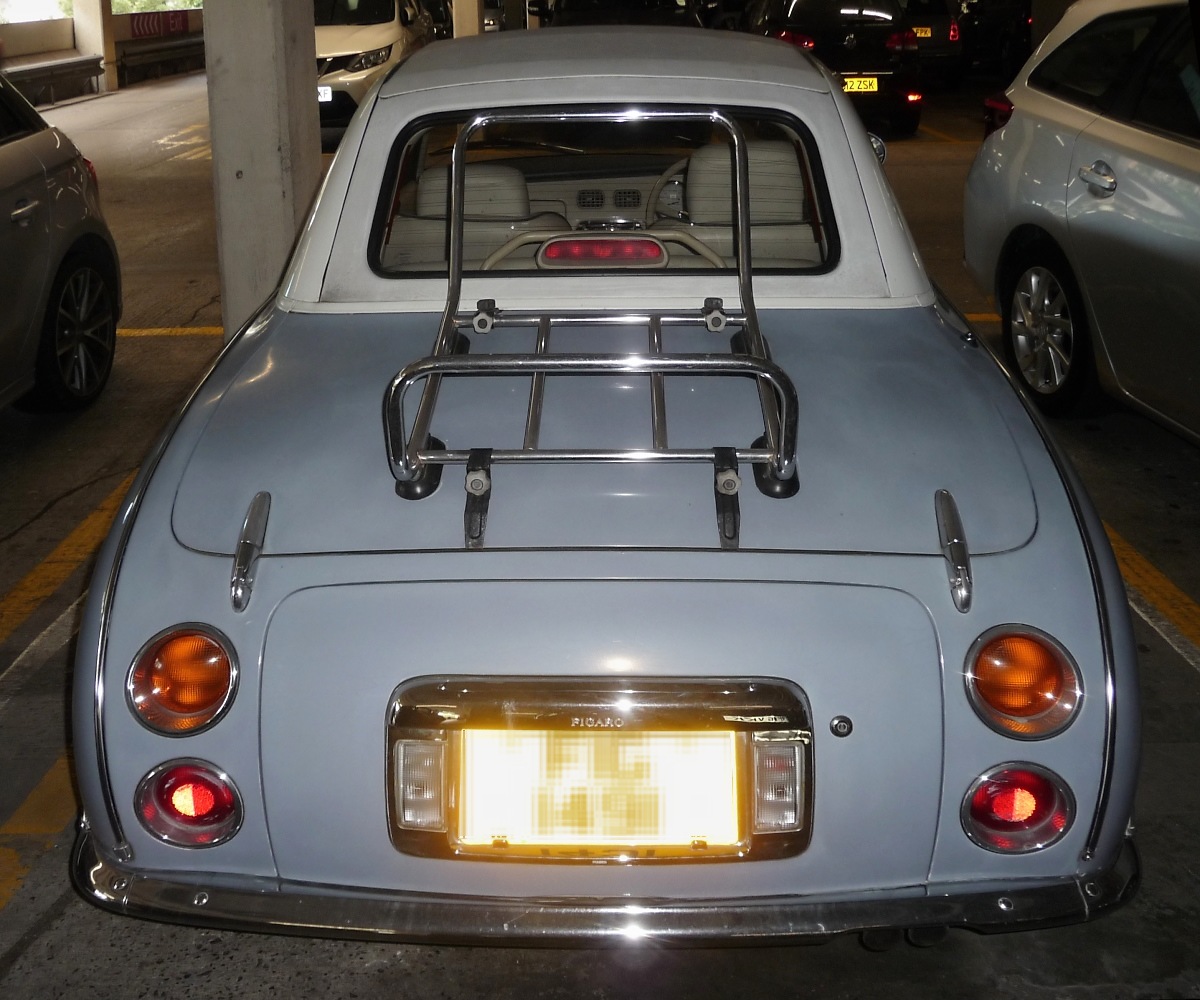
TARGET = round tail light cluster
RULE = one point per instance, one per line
(189, 803)
(183, 680)
(1017, 808)
(1023, 683)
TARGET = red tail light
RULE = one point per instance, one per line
(953, 30)
(997, 110)
(91, 169)
(189, 803)
(796, 38)
(1017, 808)
(902, 41)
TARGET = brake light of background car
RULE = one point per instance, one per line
(954, 36)
(902, 41)
(997, 110)
(795, 38)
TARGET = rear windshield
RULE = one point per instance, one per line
(661, 187)
(354, 11)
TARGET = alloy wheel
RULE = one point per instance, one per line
(1042, 331)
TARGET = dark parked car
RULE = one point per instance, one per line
(996, 35)
(939, 45)
(869, 46)
(560, 13)
(60, 285)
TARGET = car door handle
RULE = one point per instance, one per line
(1099, 178)
(22, 215)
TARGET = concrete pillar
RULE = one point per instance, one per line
(94, 37)
(468, 17)
(266, 140)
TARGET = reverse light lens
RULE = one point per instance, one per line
(182, 681)
(369, 60)
(1017, 808)
(421, 776)
(777, 791)
(1022, 683)
(189, 803)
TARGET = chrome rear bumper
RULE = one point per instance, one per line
(274, 906)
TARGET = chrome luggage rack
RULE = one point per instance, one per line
(417, 458)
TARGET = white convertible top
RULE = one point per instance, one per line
(706, 56)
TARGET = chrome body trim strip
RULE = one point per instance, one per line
(268, 904)
(249, 548)
(954, 549)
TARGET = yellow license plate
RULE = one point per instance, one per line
(595, 793)
(860, 84)
(923, 32)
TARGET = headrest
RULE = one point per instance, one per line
(776, 185)
(492, 191)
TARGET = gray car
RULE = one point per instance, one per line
(1082, 212)
(59, 275)
(607, 534)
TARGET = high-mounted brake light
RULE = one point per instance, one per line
(1022, 683)
(592, 251)
(183, 680)
(1017, 808)
(189, 803)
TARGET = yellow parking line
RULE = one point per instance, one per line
(170, 331)
(72, 552)
(48, 808)
(44, 813)
(944, 136)
(1179, 609)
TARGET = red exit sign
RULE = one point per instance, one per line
(163, 22)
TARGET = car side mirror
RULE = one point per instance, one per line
(878, 145)
(406, 17)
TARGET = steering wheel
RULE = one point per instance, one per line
(652, 213)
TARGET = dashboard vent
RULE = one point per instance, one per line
(627, 198)
(590, 198)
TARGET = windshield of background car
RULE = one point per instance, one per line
(819, 11)
(1099, 57)
(354, 11)
(655, 187)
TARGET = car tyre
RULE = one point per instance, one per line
(79, 335)
(1046, 338)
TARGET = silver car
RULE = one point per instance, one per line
(607, 533)
(60, 279)
(1082, 212)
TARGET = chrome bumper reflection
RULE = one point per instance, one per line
(273, 906)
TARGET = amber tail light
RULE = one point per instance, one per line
(183, 680)
(1023, 683)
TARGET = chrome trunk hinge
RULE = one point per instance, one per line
(954, 549)
(249, 548)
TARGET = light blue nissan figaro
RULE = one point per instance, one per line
(607, 533)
